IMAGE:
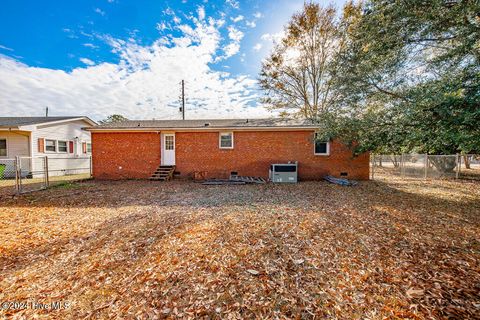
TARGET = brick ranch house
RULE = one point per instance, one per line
(134, 149)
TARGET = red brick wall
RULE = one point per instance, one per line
(254, 152)
(125, 155)
(139, 154)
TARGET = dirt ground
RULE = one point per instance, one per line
(139, 249)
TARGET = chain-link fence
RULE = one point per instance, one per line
(32, 174)
(425, 166)
(61, 170)
(8, 176)
(25, 174)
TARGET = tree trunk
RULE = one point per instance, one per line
(444, 164)
(466, 161)
(396, 163)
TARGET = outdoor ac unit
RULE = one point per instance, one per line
(284, 172)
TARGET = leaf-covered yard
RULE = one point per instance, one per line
(150, 250)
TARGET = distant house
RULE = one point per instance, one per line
(216, 148)
(54, 137)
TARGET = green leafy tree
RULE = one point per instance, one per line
(114, 118)
(408, 77)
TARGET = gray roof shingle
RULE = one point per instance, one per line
(210, 123)
(7, 122)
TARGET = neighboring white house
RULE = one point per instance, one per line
(61, 139)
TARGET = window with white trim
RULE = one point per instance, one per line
(50, 145)
(62, 146)
(321, 148)
(89, 147)
(3, 147)
(169, 142)
(226, 140)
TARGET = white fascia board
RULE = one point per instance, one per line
(86, 119)
(202, 129)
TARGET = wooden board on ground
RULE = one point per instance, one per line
(248, 179)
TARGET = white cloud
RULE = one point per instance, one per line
(5, 48)
(233, 3)
(273, 37)
(162, 26)
(257, 47)
(258, 15)
(251, 24)
(87, 61)
(237, 18)
(235, 34)
(231, 49)
(171, 13)
(144, 84)
(90, 45)
(99, 11)
(201, 13)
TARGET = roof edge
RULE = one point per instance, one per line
(200, 129)
(85, 118)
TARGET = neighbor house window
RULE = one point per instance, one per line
(50, 145)
(226, 140)
(62, 146)
(89, 147)
(321, 147)
(3, 147)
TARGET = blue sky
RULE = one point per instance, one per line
(116, 56)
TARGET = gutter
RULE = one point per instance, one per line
(200, 129)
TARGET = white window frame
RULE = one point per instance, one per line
(45, 146)
(321, 154)
(220, 139)
(89, 144)
(6, 146)
(58, 147)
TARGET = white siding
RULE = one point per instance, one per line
(64, 163)
(17, 145)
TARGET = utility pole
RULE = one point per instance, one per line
(182, 108)
(46, 111)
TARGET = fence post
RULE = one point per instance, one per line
(402, 166)
(91, 167)
(47, 178)
(17, 174)
(426, 167)
(458, 166)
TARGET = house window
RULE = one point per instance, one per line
(321, 147)
(62, 146)
(89, 147)
(50, 146)
(169, 142)
(226, 140)
(3, 147)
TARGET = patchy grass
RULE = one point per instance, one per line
(403, 249)
(7, 186)
(70, 184)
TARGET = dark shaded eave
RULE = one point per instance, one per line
(207, 124)
(15, 123)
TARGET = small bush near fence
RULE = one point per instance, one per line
(423, 166)
(24, 174)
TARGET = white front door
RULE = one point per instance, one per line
(168, 149)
